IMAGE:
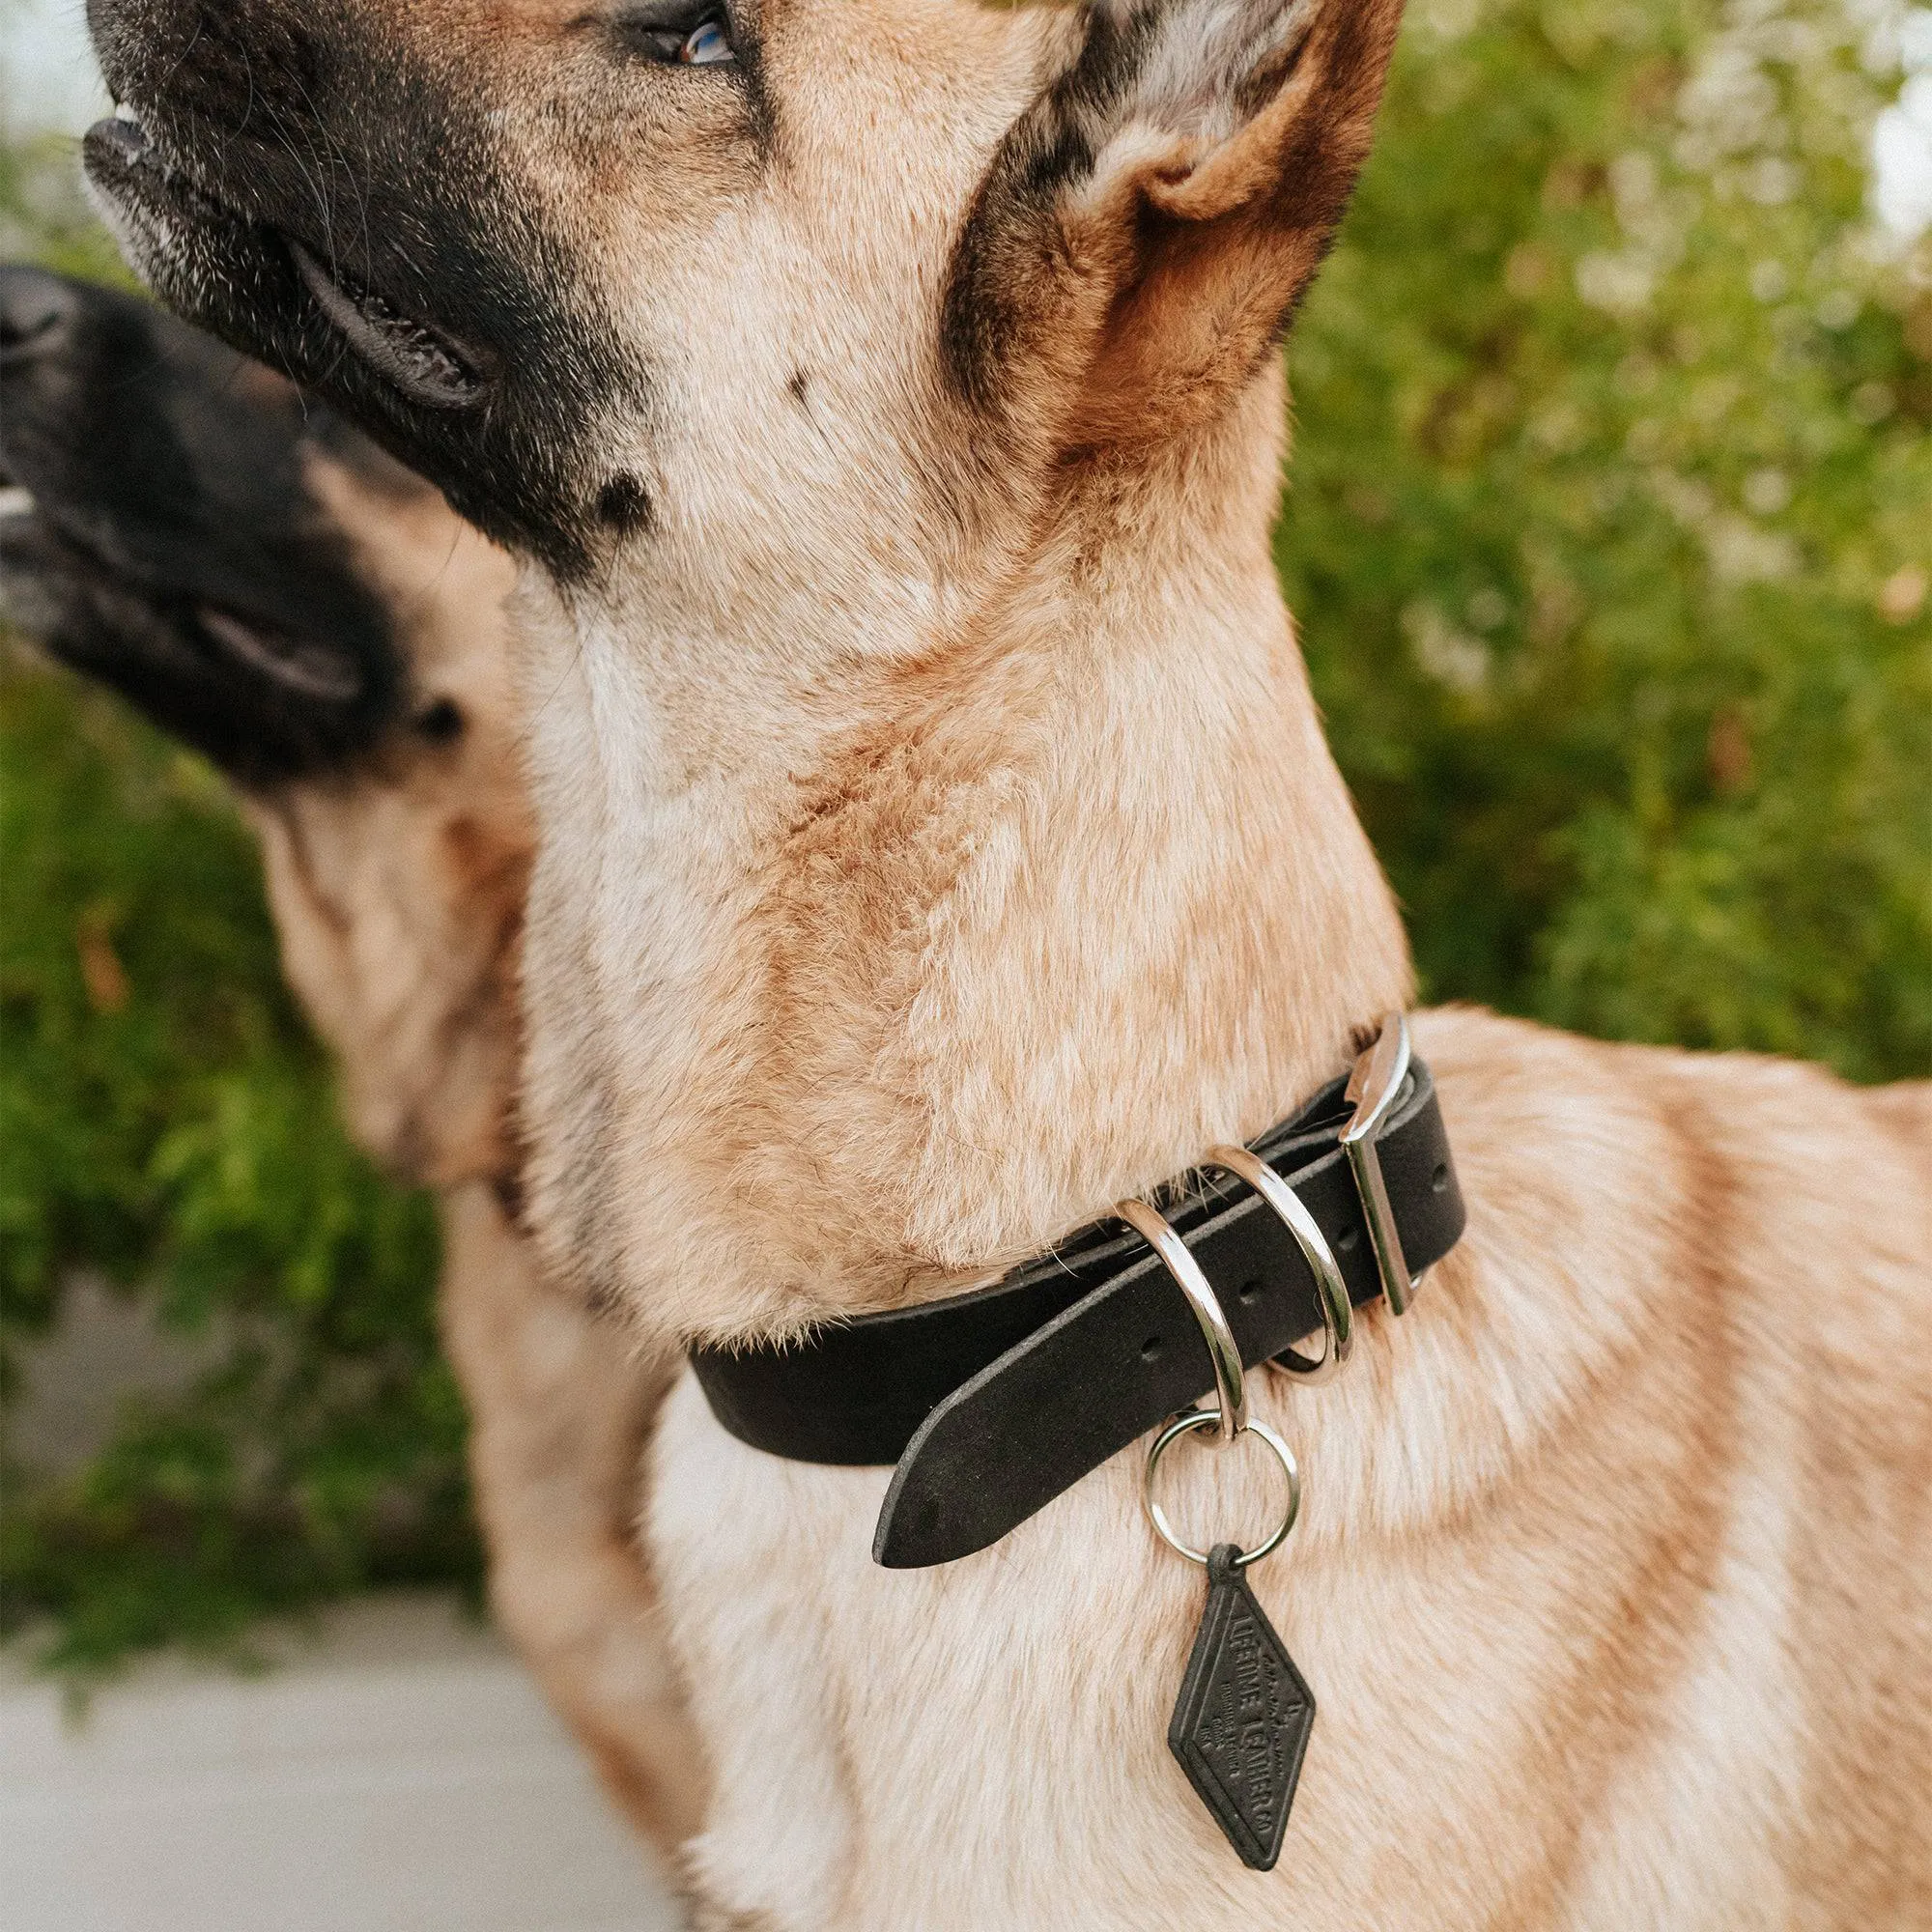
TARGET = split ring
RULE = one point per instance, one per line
(1205, 1419)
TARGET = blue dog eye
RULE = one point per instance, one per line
(706, 43)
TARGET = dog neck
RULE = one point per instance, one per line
(907, 956)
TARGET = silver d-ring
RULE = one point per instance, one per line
(1337, 1313)
(1232, 1415)
(1204, 1418)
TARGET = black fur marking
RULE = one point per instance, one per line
(174, 552)
(273, 119)
(625, 505)
(441, 721)
(759, 105)
(1049, 151)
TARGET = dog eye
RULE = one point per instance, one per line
(708, 42)
(678, 33)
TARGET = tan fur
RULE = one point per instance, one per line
(398, 895)
(937, 841)
(560, 1409)
(1610, 1583)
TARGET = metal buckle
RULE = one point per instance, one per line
(1372, 1087)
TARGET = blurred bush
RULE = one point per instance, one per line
(1609, 525)
(167, 1125)
(1608, 534)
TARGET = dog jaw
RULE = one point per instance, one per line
(172, 550)
(254, 138)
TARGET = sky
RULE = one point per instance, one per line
(47, 76)
(1902, 142)
(48, 80)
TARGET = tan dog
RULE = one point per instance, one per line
(937, 843)
(259, 580)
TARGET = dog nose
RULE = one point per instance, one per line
(36, 311)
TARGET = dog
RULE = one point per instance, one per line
(937, 846)
(263, 582)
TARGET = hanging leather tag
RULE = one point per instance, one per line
(1241, 1724)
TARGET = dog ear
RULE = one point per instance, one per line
(1146, 229)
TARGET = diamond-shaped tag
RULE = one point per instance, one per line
(1241, 1724)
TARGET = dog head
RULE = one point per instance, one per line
(812, 346)
(268, 586)
(171, 549)
(753, 278)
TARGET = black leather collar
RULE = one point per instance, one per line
(993, 1402)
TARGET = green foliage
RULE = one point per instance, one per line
(1609, 529)
(1609, 536)
(166, 1122)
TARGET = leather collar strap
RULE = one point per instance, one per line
(993, 1402)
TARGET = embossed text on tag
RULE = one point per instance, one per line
(1241, 1726)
